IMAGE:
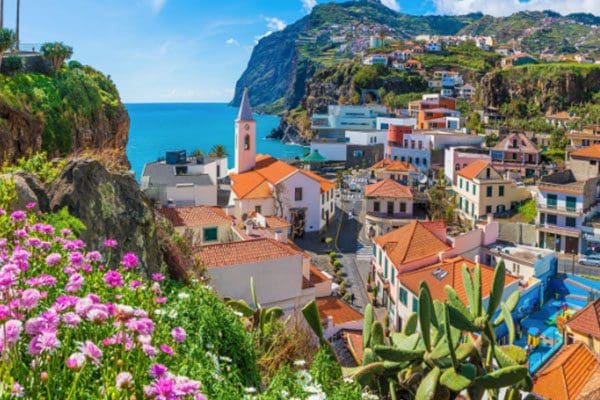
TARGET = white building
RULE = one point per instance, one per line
(383, 123)
(375, 59)
(340, 118)
(434, 47)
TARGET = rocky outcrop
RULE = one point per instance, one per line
(290, 133)
(553, 87)
(20, 133)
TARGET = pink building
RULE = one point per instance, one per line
(456, 158)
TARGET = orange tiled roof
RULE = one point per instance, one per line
(394, 165)
(306, 283)
(250, 185)
(244, 252)
(587, 320)
(326, 185)
(567, 374)
(316, 276)
(388, 188)
(452, 267)
(473, 169)
(196, 216)
(274, 222)
(588, 152)
(340, 311)
(354, 339)
(562, 115)
(411, 242)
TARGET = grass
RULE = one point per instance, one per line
(526, 212)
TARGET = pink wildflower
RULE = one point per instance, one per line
(113, 279)
(75, 361)
(18, 215)
(74, 284)
(30, 299)
(157, 370)
(71, 320)
(76, 258)
(30, 205)
(91, 351)
(110, 243)
(158, 277)
(165, 348)
(179, 335)
(124, 380)
(130, 260)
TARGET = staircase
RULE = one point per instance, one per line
(578, 284)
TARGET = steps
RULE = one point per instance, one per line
(578, 284)
(576, 297)
(364, 253)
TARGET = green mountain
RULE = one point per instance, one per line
(283, 62)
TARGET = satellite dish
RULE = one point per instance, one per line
(244, 217)
(423, 179)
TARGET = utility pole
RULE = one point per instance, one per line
(18, 22)
(1, 14)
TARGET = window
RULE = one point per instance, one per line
(403, 159)
(258, 209)
(571, 203)
(424, 162)
(218, 171)
(542, 219)
(402, 207)
(501, 191)
(247, 142)
(417, 160)
(466, 205)
(467, 185)
(551, 201)
(415, 304)
(487, 173)
(551, 219)
(298, 194)
(390, 207)
(571, 222)
(460, 183)
(358, 154)
(322, 199)
(210, 234)
(460, 203)
(412, 144)
(402, 295)
(474, 189)
(385, 274)
(488, 191)
(488, 209)
(376, 206)
(393, 276)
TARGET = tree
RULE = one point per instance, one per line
(56, 53)
(218, 151)
(13, 64)
(439, 199)
(198, 153)
(474, 122)
(7, 40)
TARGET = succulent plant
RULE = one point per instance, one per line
(447, 348)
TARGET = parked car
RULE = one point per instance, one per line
(590, 259)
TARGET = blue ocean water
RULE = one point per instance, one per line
(159, 127)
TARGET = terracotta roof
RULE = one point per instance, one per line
(274, 222)
(354, 341)
(411, 242)
(306, 284)
(587, 320)
(268, 171)
(196, 216)
(562, 115)
(565, 377)
(524, 144)
(588, 152)
(339, 310)
(388, 188)
(473, 169)
(244, 252)
(453, 277)
(394, 165)
(316, 276)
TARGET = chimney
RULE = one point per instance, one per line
(279, 236)
(441, 256)
(329, 322)
(477, 259)
(249, 226)
(490, 218)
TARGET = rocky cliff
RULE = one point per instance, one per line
(552, 87)
(78, 111)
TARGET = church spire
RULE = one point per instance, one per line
(245, 113)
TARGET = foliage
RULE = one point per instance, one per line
(198, 153)
(7, 40)
(554, 156)
(8, 192)
(78, 96)
(38, 165)
(380, 76)
(56, 53)
(527, 211)
(218, 151)
(444, 358)
(12, 64)
(439, 199)
(396, 101)
(62, 219)
(465, 56)
(474, 122)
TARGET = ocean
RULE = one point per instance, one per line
(158, 127)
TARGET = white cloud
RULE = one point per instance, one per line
(393, 4)
(508, 7)
(275, 24)
(307, 5)
(232, 42)
(157, 5)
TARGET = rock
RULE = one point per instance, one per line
(111, 205)
(20, 133)
(29, 190)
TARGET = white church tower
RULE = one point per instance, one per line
(245, 137)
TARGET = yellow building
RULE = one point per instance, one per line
(584, 327)
(482, 190)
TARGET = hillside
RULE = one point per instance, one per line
(284, 61)
(78, 110)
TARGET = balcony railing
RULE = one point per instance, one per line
(384, 215)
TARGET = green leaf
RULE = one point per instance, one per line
(377, 334)
(364, 375)
(395, 354)
(503, 377)
(456, 302)
(367, 322)
(253, 293)
(242, 307)
(510, 355)
(428, 386)
(405, 342)
(369, 356)
(497, 289)
(464, 350)
(508, 320)
(469, 289)
(477, 290)
(459, 320)
(511, 304)
(274, 313)
(449, 337)
(437, 318)
(311, 315)
(410, 326)
(458, 380)
(425, 312)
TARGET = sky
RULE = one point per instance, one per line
(195, 50)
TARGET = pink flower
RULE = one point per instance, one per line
(178, 334)
(18, 215)
(110, 243)
(160, 300)
(4, 312)
(46, 341)
(75, 361)
(12, 328)
(94, 256)
(158, 277)
(76, 258)
(91, 351)
(97, 314)
(157, 370)
(165, 348)
(162, 388)
(17, 390)
(30, 205)
(135, 284)
(124, 380)
(149, 350)
(74, 284)
(130, 260)
(30, 299)
(113, 279)
(71, 320)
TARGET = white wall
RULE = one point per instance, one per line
(311, 199)
(331, 151)
(191, 195)
(383, 121)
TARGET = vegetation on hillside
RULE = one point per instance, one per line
(465, 56)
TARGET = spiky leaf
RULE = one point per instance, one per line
(273, 314)
(511, 304)
(410, 325)
(405, 342)
(428, 386)
(497, 288)
(311, 314)
(510, 355)
(367, 322)
(477, 289)
(464, 350)
(437, 318)
(242, 307)
(449, 338)
(369, 356)
(377, 334)
(456, 302)
(503, 377)
(460, 378)
(508, 320)
(425, 313)
(468, 285)
(459, 320)
(364, 375)
(253, 293)
(395, 354)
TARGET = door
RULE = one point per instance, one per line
(571, 245)
(390, 207)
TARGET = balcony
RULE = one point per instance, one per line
(554, 209)
(382, 216)
(560, 230)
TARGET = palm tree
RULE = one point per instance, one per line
(56, 53)
(218, 151)
(7, 40)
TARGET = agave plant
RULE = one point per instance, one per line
(259, 316)
(447, 348)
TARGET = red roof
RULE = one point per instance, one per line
(587, 320)
(474, 169)
(339, 310)
(196, 216)
(411, 242)
(244, 252)
(452, 277)
(588, 152)
(394, 165)
(354, 340)
(567, 375)
(316, 276)
(524, 144)
(388, 188)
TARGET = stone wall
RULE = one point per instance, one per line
(518, 233)
(32, 64)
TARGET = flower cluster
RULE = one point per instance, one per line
(82, 323)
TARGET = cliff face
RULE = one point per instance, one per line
(553, 87)
(76, 112)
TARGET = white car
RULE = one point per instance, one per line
(590, 259)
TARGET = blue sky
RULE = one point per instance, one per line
(194, 50)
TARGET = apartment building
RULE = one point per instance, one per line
(517, 153)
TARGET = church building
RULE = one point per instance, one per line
(268, 186)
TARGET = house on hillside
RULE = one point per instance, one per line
(201, 225)
(562, 119)
(584, 327)
(389, 205)
(517, 153)
(517, 60)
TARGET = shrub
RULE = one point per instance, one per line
(12, 64)
(337, 265)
